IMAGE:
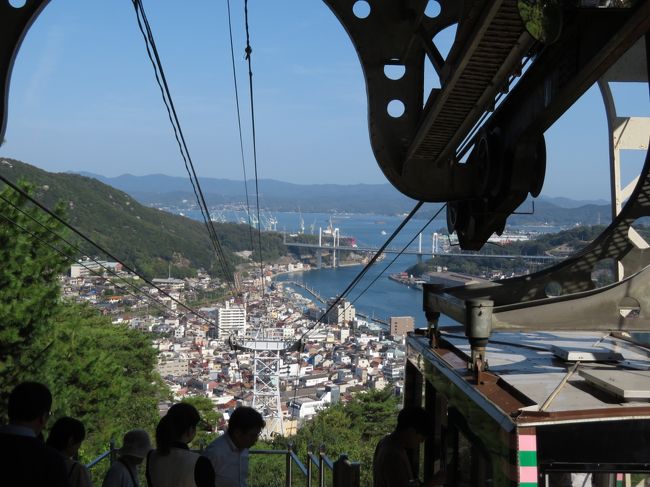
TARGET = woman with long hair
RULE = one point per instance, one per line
(172, 464)
(66, 436)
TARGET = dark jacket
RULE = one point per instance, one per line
(27, 462)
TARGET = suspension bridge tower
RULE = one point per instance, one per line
(268, 348)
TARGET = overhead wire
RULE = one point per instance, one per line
(366, 268)
(435, 215)
(241, 139)
(404, 248)
(72, 246)
(154, 57)
(249, 52)
(71, 258)
(351, 286)
(58, 218)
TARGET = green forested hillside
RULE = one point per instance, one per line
(145, 238)
(99, 373)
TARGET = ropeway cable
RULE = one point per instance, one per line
(249, 52)
(241, 140)
(72, 259)
(96, 245)
(353, 284)
(367, 267)
(71, 245)
(399, 254)
(178, 133)
(404, 248)
(161, 80)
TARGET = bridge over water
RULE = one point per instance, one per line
(334, 247)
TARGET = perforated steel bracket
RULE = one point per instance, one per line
(14, 23)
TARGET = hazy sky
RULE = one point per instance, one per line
(83, 97)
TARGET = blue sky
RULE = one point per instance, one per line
(83, 97)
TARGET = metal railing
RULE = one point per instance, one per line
(111, 454)
(344, 472)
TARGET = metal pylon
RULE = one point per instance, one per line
(268, 348)
(266, 389)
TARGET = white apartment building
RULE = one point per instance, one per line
(306, 407)
(343, 312)
(313, 380)
(90, 268)
(231, 319)
(393, 370)
(174, 367)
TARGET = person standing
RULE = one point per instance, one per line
(391, 465)
(124, 471)
(65, 437)
(229, 452)
(25, 460)
(172, 464)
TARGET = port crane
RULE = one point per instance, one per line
(508, 403)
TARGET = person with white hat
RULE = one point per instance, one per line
(124, 471)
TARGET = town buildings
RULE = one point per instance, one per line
(346, 356)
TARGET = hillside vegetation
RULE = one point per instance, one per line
(561, 244)
(100, 373)
(150, 240)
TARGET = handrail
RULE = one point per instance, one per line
(110, 453)
(98, 459)
(344, 472)
(298, 463)
(329, 463)
(340, 469)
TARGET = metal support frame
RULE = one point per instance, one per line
(625, 133)
(527, 302)
(14, 24)
(417, 150)
(268, 347)
(266, 391)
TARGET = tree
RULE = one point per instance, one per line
(206, 430)
(353, 428)
(98, 372)
(103, 374)
(29, 289)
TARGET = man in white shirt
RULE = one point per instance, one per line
(229, 452)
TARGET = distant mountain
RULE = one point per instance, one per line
(145, 238)
(563, 202)
(356, 198)
(274, 195)
(544, 212)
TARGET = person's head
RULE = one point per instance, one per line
(245, 426)
(29, 405)
(414, 425)
(135, 446)
(66, 436)
(179, 424)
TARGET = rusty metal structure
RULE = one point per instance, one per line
(541, 380)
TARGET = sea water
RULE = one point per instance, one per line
(383, 298)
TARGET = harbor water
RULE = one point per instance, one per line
(384, 298)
